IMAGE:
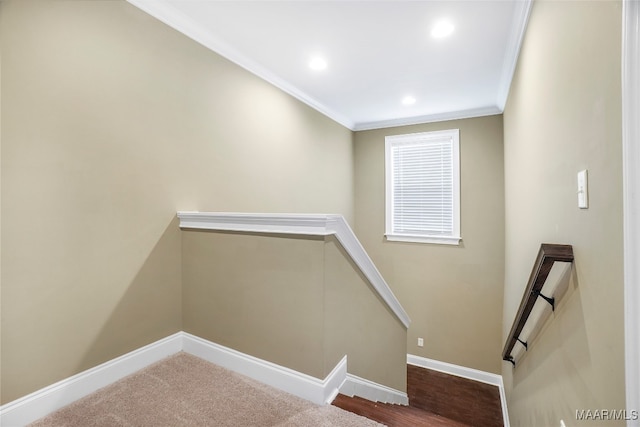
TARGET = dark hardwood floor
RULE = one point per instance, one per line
(435, 399)
(393, 415)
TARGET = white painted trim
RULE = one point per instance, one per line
(165, 12)
(41, 403)
(334, 380)
(490, 110)
(455, 241)
(304, 224)
(514, 43)
(464, 372)
(631, 197)
(307, 387)
(356, 386)
(503, 404)
(449, 136)
(457, 370)
(354, 248)
(36, 405)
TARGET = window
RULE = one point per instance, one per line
(423, 187)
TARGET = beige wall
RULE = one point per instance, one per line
(563, 115)
(453, 294)
(258, 294)
(359, 323)
(111, 121)
(295, 301)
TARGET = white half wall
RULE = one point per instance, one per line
(301, 224)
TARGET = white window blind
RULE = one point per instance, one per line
(423, 187)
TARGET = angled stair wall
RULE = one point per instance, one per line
(296, 290)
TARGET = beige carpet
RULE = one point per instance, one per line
(184, 390)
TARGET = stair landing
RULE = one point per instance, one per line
(435, 399)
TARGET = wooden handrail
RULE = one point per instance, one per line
(547, 256)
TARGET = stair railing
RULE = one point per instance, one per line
(548, 255)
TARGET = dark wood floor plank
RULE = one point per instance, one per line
(460, 399)
(393, 415)
(435, 400)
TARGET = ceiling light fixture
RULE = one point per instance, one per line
(442, 29)
(408, 100)
(317, 63)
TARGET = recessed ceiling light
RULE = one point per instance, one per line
(442, 29)
(408, 100)
(317, 63)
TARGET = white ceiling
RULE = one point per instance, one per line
(377, 52)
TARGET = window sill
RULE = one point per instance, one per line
(439, 240)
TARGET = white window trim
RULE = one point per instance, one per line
(404, 237)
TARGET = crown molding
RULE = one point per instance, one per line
(514, 43)
(301, 224)
(165, 12)
(431, 118)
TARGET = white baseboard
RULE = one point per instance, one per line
(36, 405)
(316, 390)
(39, 404)
(49, 399)
(464, 372)
(356, 386)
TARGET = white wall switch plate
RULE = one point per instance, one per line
(420, 342)
(583, 190)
